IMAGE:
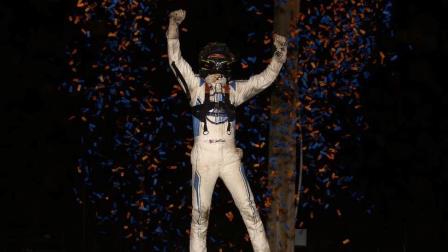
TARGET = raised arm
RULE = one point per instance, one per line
(178, 65)
(246, 89)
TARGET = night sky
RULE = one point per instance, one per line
(401, 165)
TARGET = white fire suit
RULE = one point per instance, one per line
(215, 154)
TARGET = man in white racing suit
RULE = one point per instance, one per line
(213, 97)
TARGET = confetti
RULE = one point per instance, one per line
(136, 178)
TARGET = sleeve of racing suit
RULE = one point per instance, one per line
(182, 70)
(246, 89)
(257, 83)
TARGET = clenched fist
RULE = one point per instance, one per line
(178, 16)
(280, 43)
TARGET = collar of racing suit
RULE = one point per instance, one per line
(219, 85)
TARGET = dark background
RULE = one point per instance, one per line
(402, 165)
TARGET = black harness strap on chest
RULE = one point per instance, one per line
(182, 80)
(228, 107)
(200, 111)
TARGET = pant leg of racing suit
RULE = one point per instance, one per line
(236, 182)
(204, 176)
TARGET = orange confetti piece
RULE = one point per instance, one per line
(112, 34)
(80, 4)
(383, 56)
(230, 216)
(338, 212)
